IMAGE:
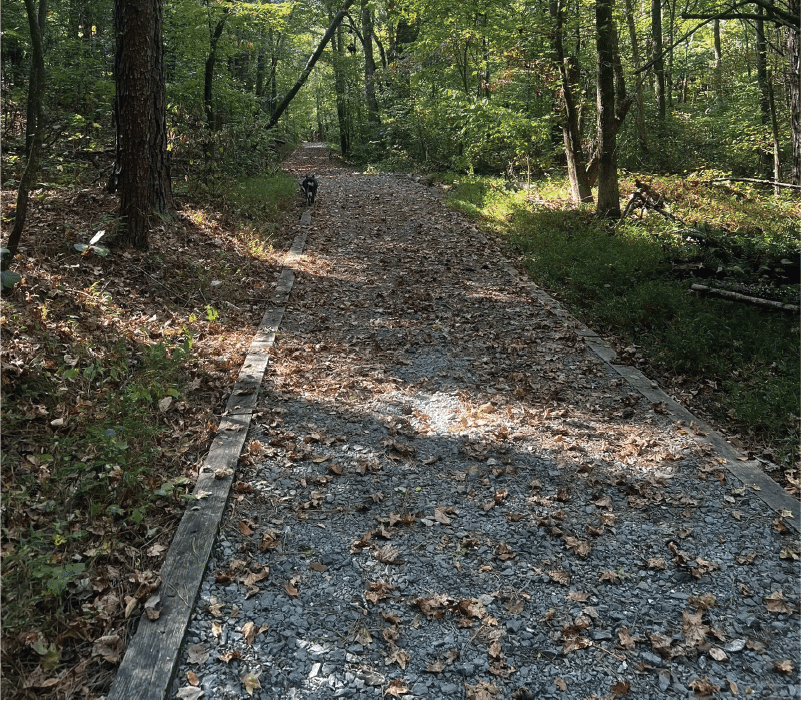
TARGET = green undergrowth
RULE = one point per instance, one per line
(113, 368)
(630, 280)
(91, 473)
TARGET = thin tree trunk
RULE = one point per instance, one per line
(306, 72)
(657, 58)
(36, 22)
(608, 189)
(340, 85)
(373, 117)
(32, 114)
(671, 52)
(208, 82)
(642, 133)
(774, 123)
(261, 67)
(794, 54)
(568, 69)
(718, 67)
(765, 166)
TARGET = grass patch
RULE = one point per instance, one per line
(737, 364)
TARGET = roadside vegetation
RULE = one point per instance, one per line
(735, 364)
(116, 366)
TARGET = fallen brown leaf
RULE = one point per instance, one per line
(776, 603)
(396, 688)
(482, 691)
(703, 687)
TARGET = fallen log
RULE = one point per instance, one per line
(756, 181)
(737, 297)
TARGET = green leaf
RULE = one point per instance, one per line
(8, 278)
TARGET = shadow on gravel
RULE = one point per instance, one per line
(447, 496)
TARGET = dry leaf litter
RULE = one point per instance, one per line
(446, 495)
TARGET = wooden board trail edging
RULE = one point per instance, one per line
(151, 658)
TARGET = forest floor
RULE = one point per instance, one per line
(451, 494)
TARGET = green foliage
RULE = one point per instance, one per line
(99, 469)
(8, 278)
(622, 282)
(93, 246)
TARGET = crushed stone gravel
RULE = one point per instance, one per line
(447, 495)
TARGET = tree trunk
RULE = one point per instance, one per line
(208, 81)
(568, 69)
(642, 133)
(261, 65)
(774, 124)
(657, 58)
(765, 158)
(608, 189)
(794, 53)
(141, 169)
(36, 22)
(306, 72)
(34, 93)
(717, 78)
(340, 87)
(373, 118)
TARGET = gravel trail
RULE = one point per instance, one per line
(448, 495)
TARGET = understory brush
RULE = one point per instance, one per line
(114, 365)
(737, 364)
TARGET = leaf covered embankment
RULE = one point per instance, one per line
(115, 368)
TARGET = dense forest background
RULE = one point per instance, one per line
(482, 87)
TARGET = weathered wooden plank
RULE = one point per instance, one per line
(151, 658)
(150, 661)
(748, 472)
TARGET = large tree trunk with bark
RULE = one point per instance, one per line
(36, 22)
(568, 70)
(141, 171)
(608, 204)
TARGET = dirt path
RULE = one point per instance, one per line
(446, 494)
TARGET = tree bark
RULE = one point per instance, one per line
(34, 93)
(208, 79)
(340, 87)
(36, 22)
(306, 72)
(141, 171)
(718, 67)
(608, 204)
(737, 297)
(794, 54)
(774, 130)
(642, 132)
(568, 70)
(765, 157)
(657, 54)
(373, 118)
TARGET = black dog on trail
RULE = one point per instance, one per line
(309, 188)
